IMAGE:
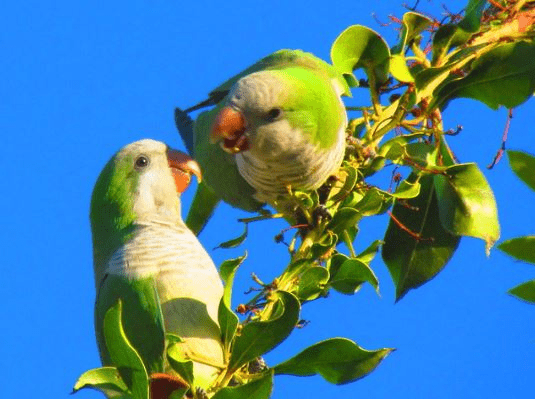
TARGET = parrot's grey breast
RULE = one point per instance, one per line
(174, 257)
(295, 162)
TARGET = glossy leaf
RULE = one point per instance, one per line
(324, 245)
(343, 219)
(451, 35)
(338, 360)
(521, 248)
(348, 274)
(472, 15)
(349, 183)
(360, 47)
(412, 25)
(257, 389)
(374, 202)
(259, 337)
(525, 291)
(369, 253)
(228, 321)
(179, 363)
(312, 283)
(399, 69)
(407, 190)
(123, 354)
(466, 203)
(503, 76)
(235, 241)
(104, 379)
(415, 257)
(523, 164)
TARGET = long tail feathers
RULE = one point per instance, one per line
(202, 207)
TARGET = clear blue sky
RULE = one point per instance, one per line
(82, 79)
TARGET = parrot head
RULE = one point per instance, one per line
(269, 111)
(140, 183)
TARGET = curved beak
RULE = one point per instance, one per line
(229, 126)
(182, 166)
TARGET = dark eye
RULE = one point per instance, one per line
(274, 114)
(142, 162)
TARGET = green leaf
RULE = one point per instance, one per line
(360, 47)
(523, 164)
(524, 291)
(452, 35)
(123, 355)
(312, 283)
(257, 389)
(445, 38)
(104, 379)
(180, 363)
(325, 244)
(407, 190)
(505, 76)
(338, 360)
(235, 241)
(374, 202)
(398, 143)
(348, 274)
(472, 15)
(521, 248)
(399, 69)
(228, 321)
(349, 183)
(412, 25)
(142, 318)
(413, 260)
(259, 337)
(369, 253)
(466, 203)
(343, 219)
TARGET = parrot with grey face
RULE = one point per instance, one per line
(279, 125)
(139, 236)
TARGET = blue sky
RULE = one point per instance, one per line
(81, 79)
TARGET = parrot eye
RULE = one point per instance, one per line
(141, 162)
(274, 114)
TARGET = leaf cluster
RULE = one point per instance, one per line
(487, 55)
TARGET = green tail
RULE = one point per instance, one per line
(202, 207)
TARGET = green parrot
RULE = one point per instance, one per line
(138, 237)
(279, 125)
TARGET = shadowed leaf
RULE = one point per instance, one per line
(338, 360)
(257, 389)
(259, 337)
(416, 256)
(521, 248)
(525, 291)
(523, 164)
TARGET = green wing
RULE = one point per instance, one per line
(280, 60)
(221, 178)
(142, 318)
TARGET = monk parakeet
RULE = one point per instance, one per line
(139, 236)
(278, 125)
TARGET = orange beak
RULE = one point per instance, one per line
(182, 166)
(229, 126)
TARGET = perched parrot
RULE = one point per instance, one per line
(139, 236)
(280, 124)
